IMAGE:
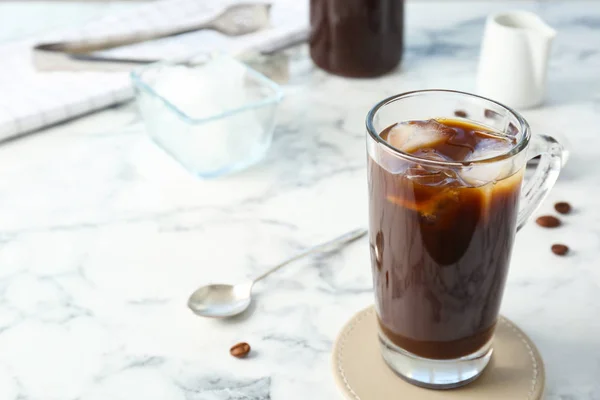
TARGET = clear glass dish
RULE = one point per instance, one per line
(214, 117)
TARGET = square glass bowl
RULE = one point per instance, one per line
(214, 117)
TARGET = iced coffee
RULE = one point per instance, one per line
(441, 236)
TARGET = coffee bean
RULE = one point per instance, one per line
(562, 207)
(560, 249)
(240, 350)
(461, 113)
(548, 221)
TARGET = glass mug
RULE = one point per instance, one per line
(440, 252)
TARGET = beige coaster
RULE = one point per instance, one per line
(516, 370)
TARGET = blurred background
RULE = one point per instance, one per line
(107, 223)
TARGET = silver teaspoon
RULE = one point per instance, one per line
(222, 300)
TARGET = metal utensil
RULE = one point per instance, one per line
(236, 20)
(223, 300)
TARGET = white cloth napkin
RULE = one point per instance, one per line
(30, 99)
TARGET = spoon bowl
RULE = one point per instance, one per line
(220, 300)
(241, 19)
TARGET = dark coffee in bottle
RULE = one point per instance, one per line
(356, 38)
(441, 238)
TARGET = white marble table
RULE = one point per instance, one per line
(102, 236)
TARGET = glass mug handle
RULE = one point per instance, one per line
(535, 190)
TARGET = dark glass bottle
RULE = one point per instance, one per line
(356, 38)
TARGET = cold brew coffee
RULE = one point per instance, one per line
(441, 237)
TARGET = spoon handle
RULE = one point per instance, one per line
(320, 248)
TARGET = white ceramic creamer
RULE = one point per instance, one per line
(514, 58)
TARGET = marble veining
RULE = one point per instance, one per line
(103, 236)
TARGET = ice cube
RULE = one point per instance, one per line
(439, 205)
(415, 135)
(425, 176)
(431, 154)
(489, 148)
(429, 176)
(481, 174)
(433, 175)
(382, 156)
